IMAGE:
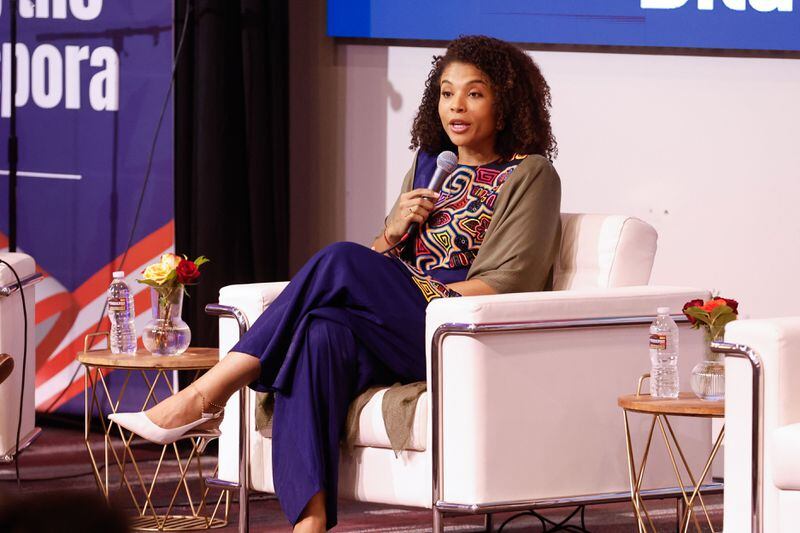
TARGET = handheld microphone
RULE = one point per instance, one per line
(446, 163)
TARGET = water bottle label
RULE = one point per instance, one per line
(658, 342)
(116, 304)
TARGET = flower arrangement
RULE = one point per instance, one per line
(167, 334)
(173, 272)
(713, 315)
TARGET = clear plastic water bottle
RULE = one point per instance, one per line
(121, 313)
(664, 356)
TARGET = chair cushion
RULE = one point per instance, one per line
(786, 457)
(372, 430)
(602, 251)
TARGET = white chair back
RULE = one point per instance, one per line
(12, 343)
(604, 251)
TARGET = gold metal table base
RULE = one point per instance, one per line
(689, 496)
(118, 472)
(686, 404)
(175, 523)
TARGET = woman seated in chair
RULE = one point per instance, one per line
(353, 316)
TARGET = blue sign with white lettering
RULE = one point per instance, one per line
(725, 24)
(92, 77)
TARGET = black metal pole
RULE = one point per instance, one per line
(12, 137)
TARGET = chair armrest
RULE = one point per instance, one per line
(560, 305)
(264, 293)
(777, 343)
(251, 299)
(501, 390)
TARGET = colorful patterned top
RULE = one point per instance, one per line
(444, 250)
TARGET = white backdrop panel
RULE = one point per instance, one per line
(702, 148)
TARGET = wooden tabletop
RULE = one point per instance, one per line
(687, 404)
(191, 359)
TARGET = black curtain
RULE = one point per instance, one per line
(231, 154)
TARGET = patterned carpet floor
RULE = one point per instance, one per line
(58, 464)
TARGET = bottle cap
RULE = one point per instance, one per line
(663, 310)
(119, 274)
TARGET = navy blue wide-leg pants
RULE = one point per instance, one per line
(349, 319)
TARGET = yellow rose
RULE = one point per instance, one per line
(171, 261)
(157, 273)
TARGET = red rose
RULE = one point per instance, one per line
(733, 304)
(712, 304)
(692, 303)
(187, 272)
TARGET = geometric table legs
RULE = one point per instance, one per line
(688, 515)
(122, 471)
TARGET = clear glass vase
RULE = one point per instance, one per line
(166, 333)
(708, 377)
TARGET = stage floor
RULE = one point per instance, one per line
(58, 462)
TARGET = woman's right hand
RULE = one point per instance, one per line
(413, 206)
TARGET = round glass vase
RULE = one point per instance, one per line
(708, 377)
(166, 333)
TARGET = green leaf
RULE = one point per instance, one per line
(698, 314)
(149, 283)
(201, 260)
(719, 311)
(723, 320)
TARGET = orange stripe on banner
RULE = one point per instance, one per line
(53, 338)
(142, 251)
(69, 353)
(95, 286)
(3, 239)
(65, 356)
(73, 390)
(52, 305)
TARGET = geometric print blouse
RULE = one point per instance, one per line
(451, 237)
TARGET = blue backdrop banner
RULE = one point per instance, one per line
(726, 24)
(93, 76)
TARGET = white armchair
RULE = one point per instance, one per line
(762, 426)
(12, 342)
(521, 404)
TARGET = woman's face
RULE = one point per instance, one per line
(466, 109)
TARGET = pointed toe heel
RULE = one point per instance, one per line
(140, 424)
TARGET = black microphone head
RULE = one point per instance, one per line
(447, 161)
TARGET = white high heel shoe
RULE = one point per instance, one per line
(144, 427)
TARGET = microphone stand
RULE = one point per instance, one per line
(12, 137)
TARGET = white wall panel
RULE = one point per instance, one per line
(702, 148)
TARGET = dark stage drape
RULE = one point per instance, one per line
(232, 168)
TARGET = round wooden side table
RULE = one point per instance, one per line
(120, 469)
(687, 404)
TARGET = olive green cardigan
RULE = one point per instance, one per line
(522, 241)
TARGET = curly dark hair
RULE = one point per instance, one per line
(522, 99)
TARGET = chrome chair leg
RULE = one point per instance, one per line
(244, 425)
(244, 460)
(438, 520)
